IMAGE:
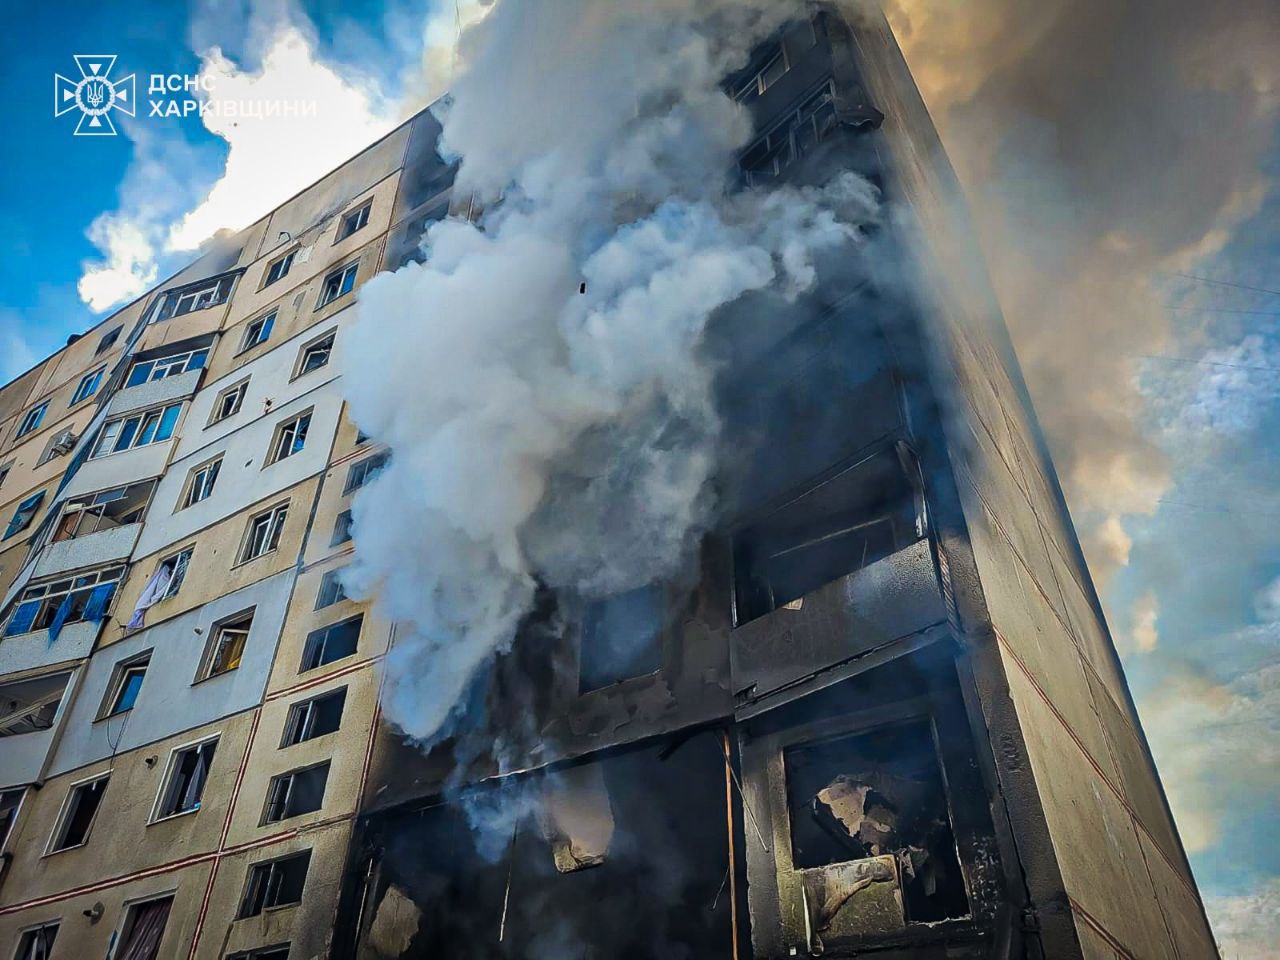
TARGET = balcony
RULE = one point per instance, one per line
(29, 711)
(91, 550)
(154, 393)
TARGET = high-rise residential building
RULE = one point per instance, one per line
(884, 717)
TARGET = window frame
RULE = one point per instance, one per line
(275, 530)
(63, 823)
(288, 779)
(300, 718)
(342, 528)
(139, 430)
(46, 594)
(168, 362)
(287, 260)
(178, 573)
(189, 486)
(212, 649)
(338, 278)
(31, 419)
(266, 868)
(17, 812)
(300, 368)
(327, 578)
(116, 687)
(360, 215)
(218, 287)
(94, 380)
(108, 340)
(33, 931)
(29, 505)
(92, 504)
(290, 427)
(239, 390)
(168, 782)
(265, 323)
(317, 641)
(364, 470)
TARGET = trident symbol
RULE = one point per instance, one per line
(95, 95)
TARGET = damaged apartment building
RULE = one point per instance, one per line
(882, 717)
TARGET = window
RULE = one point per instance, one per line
(315, 355)
(364, 471)
(263, 534)
(200, 483)
(277, 952)
(290, 438)
(331, 590)
(874, 793)
(337, 284)
(354, 221)
(126, 682)
(88, 386)
(341, 529)
(228, 402)
(137, 430)
(31, 419)
(143, 928)
(108, 338)
(78, 815)
(797, 134)
(295, 793)
(4, 471)
(177, 565)
(314, 718)
(71, 600)
(279, 268)
(37, 943)
(145, 371)
(258, 331)
(621, 638)
(196, 297)
(23, 516)
(841, 525)
(275, 883)
(104, 510)
(762, 75)
(226, 646)
(331, 643)
(10, 804)
(184, 782)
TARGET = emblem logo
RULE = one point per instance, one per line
(95, 94)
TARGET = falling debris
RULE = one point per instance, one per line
(577, 818)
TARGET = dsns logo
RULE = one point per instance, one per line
(95, 94)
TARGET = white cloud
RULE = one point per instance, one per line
(318, 120)
(1247, 926)
(129, 267)
(1233, 386)
(1143, 634)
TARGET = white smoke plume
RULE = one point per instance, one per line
(539, 434)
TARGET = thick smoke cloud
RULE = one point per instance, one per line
(1103, 146)
(542, 432)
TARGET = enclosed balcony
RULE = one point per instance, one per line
(29, 711)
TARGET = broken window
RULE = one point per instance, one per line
(138, 430)
(143, 930)
(621, 638)
(56, 603)
(87, 386)
(295, 793)
(859, 516)
(78, 815)
(315, 355)
(145, 371)
(31, 420)
(228, 402)
(126, 684)
(791, 138)
(31, 705)
(10, 804)
(364, 471)
(200, 482)
(177, 564)
(331, 643)
(315, 717)
(226, 648)
(263, 534)
(108, 338)
(37, 943)
(875, 794)
(188, 774)
(353, 221)
(275, 884)
(279, 268)
(103, 510)
(338, 284)
(290, 438)
(24, 514)
(341, 529)
(198, 296)
(331, 590)
(258, 331)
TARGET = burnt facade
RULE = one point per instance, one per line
(883, 716)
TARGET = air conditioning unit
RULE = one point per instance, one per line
(63, 443)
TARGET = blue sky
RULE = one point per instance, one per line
(1162, 405)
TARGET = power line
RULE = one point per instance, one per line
(1227, 283)
(1250, 313)
(1207, 363)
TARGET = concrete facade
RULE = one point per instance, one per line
(968, 657)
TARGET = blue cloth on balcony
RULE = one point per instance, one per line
(22, 618)
(96, 608)
(60, 617)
